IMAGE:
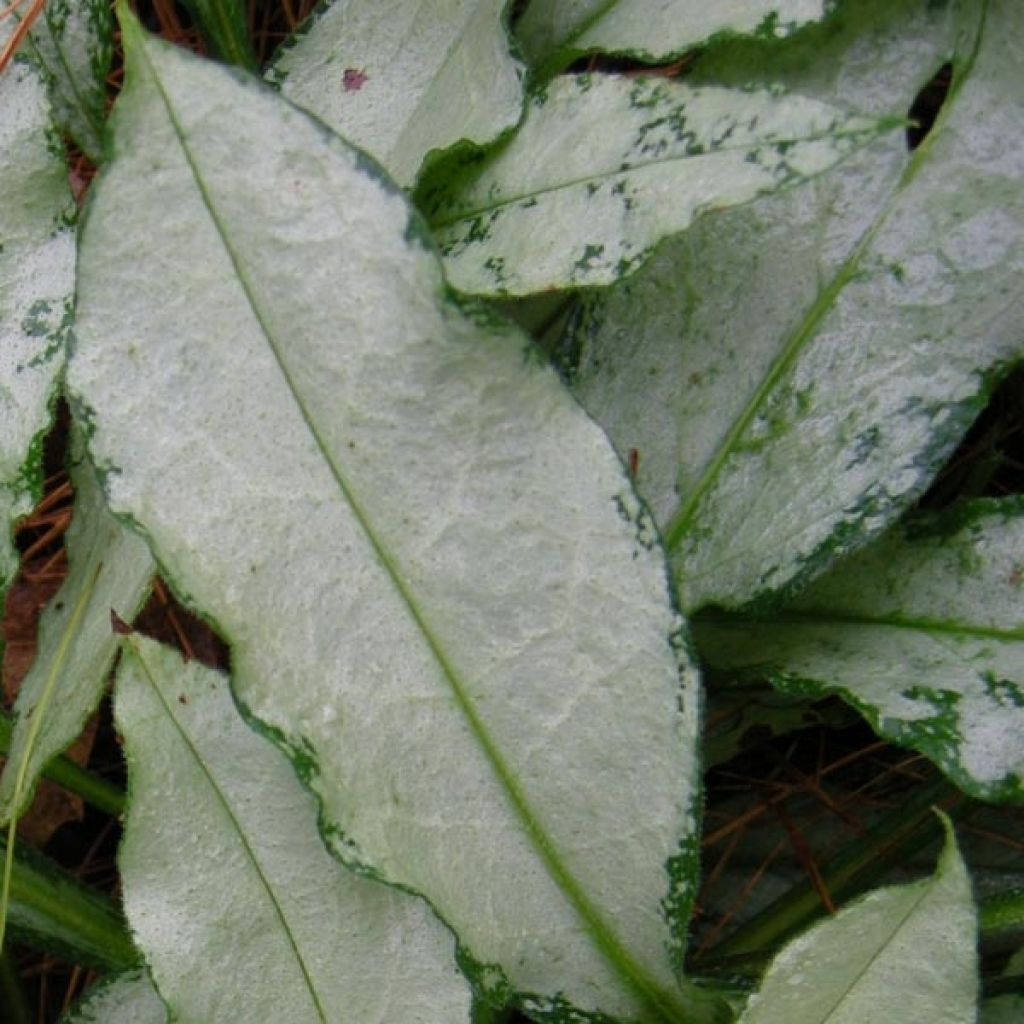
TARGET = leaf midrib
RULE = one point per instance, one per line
(621, 170)
(848, 989)
(243, 839)
(604, 938)
(684, 517)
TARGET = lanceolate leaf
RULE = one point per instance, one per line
(401, 80)
(817, 358)
(442, 595)
(110, 570)
(904, 953)
(923, 631)
(36, 279)
(72, 43)
(240, 910)
(636, 160)
(554, 32)
(51, 910)
(128, 998)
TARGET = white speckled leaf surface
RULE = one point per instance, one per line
(605, 166)
(110, 568)
(923, 631)
(904, 953)
(239, 909)
(558, 30)
(442, 595)
(128, 998)
(37, 259)
(401, 80)
(818, 355)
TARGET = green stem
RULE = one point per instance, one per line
(14, 1007)
(91, 788)
(52, 911)
(903, 832)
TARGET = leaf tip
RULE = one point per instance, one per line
(132, 31)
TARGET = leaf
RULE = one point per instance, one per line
(225, 28)
(1009, 1007)
(72, 44)
(128, 998)
(110, 570)
(442, 597)
(240, 910)
(923, 631)
(52, 910)
(532, 216)
(903, 953)
(36, 279)
(555, 32)
(403, 80)
(808, 364)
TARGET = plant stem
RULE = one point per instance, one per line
(91, 788)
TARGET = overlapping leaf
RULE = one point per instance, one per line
(605, 166)
(128, 998)
(72, 43)
(401, 80)
(110, 570)
(36, 281)
(240, 910)
(490, 639)
(904, 953)
(923, 631)
(553, 32)
(792, 375)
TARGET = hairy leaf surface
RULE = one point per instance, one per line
(903, 953)
(110, 569)
(554, 32)
(241, 912)
(605, 166)
(72, 43)
(923, 631)
(128, 998)
(401, 80)
(792, 375)
(443, 597)
(36, 280)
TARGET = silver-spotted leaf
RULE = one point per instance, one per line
(37, 257)
(605, 166)
(128, 998)
(241, 912)
(442, 595)
(923, 631)
(905, 953)
(401, 80)
(554, 32)
(110, 569)
(72, 43)
(792, 375)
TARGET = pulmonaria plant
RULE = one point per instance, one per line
(454, 773)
